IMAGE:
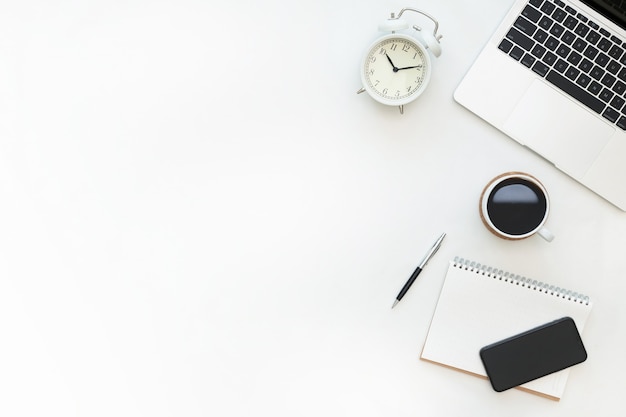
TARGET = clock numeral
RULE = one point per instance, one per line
(372, 71)
(408, 90)
(407, 48)
(394, 46)
(382, 51)
(415, 56)
(373, 59)
(385, 91)
(397, 93)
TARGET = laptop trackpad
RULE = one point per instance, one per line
(557, 128)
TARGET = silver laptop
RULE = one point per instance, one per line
(553, 78)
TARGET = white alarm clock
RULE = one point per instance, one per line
(396, 68)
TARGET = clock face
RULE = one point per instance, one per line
(396, 70)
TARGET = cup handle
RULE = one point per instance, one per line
(546, 234)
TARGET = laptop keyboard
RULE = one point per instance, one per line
(574, 54)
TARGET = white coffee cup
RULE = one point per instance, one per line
(514, 206)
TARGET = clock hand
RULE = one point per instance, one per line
(416, 66)
(395, 69)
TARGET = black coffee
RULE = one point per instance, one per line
(516, 206)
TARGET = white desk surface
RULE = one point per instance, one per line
(200, 216)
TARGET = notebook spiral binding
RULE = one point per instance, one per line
(521, 281)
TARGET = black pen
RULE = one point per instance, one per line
(417, 271)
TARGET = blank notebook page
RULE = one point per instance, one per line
(479, 305)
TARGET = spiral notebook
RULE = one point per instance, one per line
(479, 305)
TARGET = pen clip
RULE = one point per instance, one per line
(432, 251)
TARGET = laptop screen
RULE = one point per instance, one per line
(614, 10)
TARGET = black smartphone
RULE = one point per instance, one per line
(532, 354)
